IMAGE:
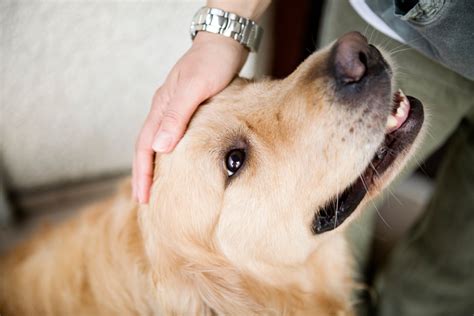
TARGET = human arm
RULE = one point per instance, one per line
(187, 85)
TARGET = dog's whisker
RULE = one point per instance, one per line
(402, 45)
(375, 169)
(388, 189)
(400, 48)
(394, 196)
(371, 34)
(373, 204)
(365, 29)
(385, 44)
(400, 51)
(363, 182)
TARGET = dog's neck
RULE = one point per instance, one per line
(191, 276)
(98, 264)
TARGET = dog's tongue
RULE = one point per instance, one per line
(401, 111)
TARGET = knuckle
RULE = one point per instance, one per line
(173, 117)
(160, 99)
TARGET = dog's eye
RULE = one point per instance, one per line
(234, 161)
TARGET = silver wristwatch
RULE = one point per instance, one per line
(243, 30)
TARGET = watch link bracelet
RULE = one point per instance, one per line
(213, 20)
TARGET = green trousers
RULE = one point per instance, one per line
(431, 270)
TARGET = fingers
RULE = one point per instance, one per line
(163, 128)
(143, 175)
(143, 161)
(170, 131)
(176, 117)
(143, 164)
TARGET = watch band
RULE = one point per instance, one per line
(213, 20)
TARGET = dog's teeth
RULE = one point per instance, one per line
(402, 94)
(401, 111)
(402, 108)
(391, 122)
(404, 101)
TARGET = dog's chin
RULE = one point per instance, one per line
(403, 127)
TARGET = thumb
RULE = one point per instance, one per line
(174, 121)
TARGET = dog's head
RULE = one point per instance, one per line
(269, 172)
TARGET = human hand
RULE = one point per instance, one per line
(204, 70)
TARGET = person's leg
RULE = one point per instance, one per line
(447, 98)
(431, 270)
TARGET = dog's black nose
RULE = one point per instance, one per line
(349, 55)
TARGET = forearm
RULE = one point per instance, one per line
(251, 9)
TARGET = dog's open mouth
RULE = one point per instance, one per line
(403, 126)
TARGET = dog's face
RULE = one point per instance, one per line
(269, 171)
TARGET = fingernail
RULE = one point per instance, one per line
(162, 142)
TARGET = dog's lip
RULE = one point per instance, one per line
(396, 141)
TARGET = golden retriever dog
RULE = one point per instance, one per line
(247, 215)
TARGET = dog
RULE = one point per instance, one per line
(247, 215)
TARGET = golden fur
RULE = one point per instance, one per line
(207, 244)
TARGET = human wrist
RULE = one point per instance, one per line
(250, 9)
(221, 42)
(218, 39)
